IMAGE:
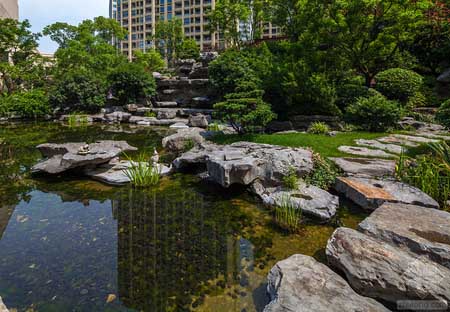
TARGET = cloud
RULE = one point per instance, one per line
(41, 13)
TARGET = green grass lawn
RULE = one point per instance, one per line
(325, 145)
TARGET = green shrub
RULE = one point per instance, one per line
(443, 114)
(318, 128)
(26, 104)
(398, 84)
(348, 94)
(417, 100)
(150, 114)
(142, 173)
(131, 83)
(324, 174)
(188, 50)
(79, 91)
(151, 60)
(374, 114)
(290, 181)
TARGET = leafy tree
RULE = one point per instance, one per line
(27, 104)
(168, 38)
(21, 66)
(151, 60)
(370, 33)
(188, 50)
(130, 83)
(225, 18)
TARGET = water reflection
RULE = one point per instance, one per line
(173, 249)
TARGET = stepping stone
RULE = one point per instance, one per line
(166, 104)
(366, 167)
(391, 148)
(416, 139)
(380, 271)
(363, 151)
(433, 136)
(372, 193)
(422, 231)
(301, 283)
(179, 125)
(396, 140)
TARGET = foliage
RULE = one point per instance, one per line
(79, 91)
(142, 173)
(168, 38)
(287, 216)
(150, 114)
(398, 84)
(226, 16)
(188, 49)
(429, 172)
(26, 104)
(21, 66)
(324, 174)
(290, 180)
(443, 114)
(349, 93)
(318, 128)
(245, 109)
(76, 120)
(131, 83)
(150, 60)
(374, 114)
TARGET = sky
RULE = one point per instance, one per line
(41, 13)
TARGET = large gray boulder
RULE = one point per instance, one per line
(372, 193)
(199, 120)
(444, 77)
(378, 270)
(424, 231)
(244, 162)
(63, 157)
(311, 200)
(183, 139)
(3, 308)
(302, 284)
(366, 167)
(118, 117)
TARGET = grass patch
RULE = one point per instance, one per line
(287, 216)
(326, 146)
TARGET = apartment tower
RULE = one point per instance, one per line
(9, 9)
(139, 18)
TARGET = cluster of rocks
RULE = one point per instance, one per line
(401, 252)
(97, 160)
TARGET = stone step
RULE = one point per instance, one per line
(363, 151)
(415, 139)
(366, 167)
(398, 141)
(166, 104)
(384, 272)
(372, 193)
(391, 148)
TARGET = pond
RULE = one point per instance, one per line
(72, 244)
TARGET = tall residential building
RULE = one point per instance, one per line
(139, 18)
(9, 9)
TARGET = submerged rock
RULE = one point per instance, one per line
(302, 284)
(63, 157)
(372, 193)
(422, 231)
(244, 162)
(378, 270)
(311, 200)
(366, 167)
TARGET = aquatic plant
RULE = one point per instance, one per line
(287, 216)
(290, 180)
(142, 173)
(77, 120)
(318, 128)
(214, 127)
(429, 172)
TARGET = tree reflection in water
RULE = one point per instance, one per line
(173, 248)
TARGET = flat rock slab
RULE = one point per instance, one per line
(433, 136)
(372, 193)
(391, 148)
(366, 167)
(115, 173)
(378, 270)
(422, 231)
(398, 141)
(416, 139)
(311, 200)
(364, 151)
(302, 284)
(244, 162)
(64, 157)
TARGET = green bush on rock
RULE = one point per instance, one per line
(443, 114)
(399, 84)
(375, 113)
(318, 128)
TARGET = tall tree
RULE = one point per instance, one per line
(169, 37)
